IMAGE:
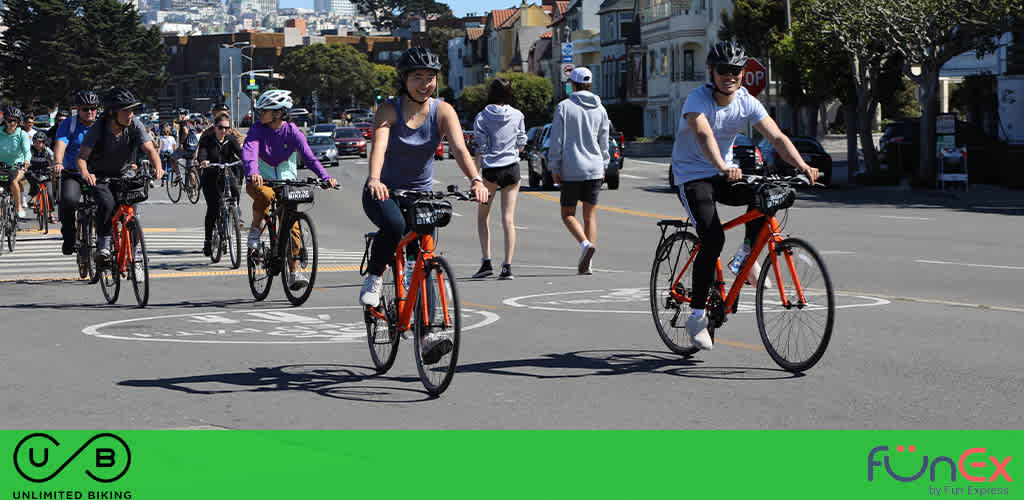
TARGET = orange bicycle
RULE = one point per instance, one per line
(128, 252)
(793, 303)
(435, 309)
(42, 203)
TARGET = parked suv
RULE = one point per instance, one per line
(907, 132)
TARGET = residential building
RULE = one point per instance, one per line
(342, 7)
(456, 69)
(676, 35)
(539, 60)
(474, 57)
(577, 22)
(616, 26)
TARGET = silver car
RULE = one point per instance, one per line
(324, 149)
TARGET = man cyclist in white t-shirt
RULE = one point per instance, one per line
(704, 171)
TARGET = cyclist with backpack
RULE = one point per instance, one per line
(712, 117)
(70, 135)
(110, 150)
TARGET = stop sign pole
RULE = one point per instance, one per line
(755, 79)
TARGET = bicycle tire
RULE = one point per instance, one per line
(90, 254)
(258, 268)
(215, 238)
(815, 288)
(4, 207)
(140, 284)
(382, 335)
(41, 214)
(670, 315)
(437, 376)
(110, 277)
(12, 230)
(308, 256)
(192, 185)
(234, 239)
(173, 182)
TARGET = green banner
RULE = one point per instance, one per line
(483, 465)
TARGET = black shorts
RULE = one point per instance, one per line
(503, 176)
(585, 191)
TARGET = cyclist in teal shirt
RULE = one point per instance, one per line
(15, 151)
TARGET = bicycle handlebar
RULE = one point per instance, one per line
(452, 192)
(799, 179)
(279, 183)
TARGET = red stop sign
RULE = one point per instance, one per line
(756, 77)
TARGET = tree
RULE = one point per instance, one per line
(336, 71)
(927, 34)
(856, 29)
(473, 100)
(531, 94)
(59, 46)
(385, 78)
(755, 24)
(439, 43)
(390, 14)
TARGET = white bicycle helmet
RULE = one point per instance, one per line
(275, 99)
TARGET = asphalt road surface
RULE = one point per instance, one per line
(927, 330)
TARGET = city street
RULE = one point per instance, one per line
(927, 331)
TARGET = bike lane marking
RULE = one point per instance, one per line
(252, 326)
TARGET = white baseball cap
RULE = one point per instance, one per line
(581, 75)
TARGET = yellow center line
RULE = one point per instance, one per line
(482, 306)
(740, 344)
(606, 208)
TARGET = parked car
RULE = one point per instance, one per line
(470, 139)
(747, 156)
(358, 114)
(324, 149)
(439, 152)
(532, 135)
(366, 128)
(810, 150)
(350, 141)
(538, 174)
(326, 129)
(907, 132)
(300, 116)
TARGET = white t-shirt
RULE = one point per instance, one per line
(688, 161)
(168, 144)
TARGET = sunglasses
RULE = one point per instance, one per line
(728, 69)
(87, 110)
(223, 128)
(13, 120)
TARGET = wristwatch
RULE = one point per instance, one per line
(477, 178)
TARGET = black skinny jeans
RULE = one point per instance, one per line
(70, 197)
(389, 218)
(699, 198)
(212, 186)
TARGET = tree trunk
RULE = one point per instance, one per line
(850, 116)
(865, 75)
(929, 89)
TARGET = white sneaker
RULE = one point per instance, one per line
(254, 238)
(435, 345)
(21, 213)
(297, 281)
(583, 265)
(370, 294)
(697, 328)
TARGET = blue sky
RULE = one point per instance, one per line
(460, 7)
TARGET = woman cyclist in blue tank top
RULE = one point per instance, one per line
(407, 131)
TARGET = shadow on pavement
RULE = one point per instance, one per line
(335, 381)
(580, 364)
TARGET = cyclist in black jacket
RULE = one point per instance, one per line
(220, 147)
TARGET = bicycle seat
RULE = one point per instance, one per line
(673, 223)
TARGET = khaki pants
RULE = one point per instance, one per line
(262, 196)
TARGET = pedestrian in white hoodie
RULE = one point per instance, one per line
(500, 135)
(577, 157)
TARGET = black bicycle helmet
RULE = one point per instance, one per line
(12, 111)
(119, 98)
(221, 107)
(40, 136)
(86, 98)
(417, 58)
(727, 52)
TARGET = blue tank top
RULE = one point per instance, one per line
(409, 162)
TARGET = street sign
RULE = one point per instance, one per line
(567, 52)
(566, 71)
(756, 77)
(252, 87)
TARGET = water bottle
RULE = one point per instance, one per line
(741, 256)
(410, 265)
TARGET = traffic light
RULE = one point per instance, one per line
(379, 95)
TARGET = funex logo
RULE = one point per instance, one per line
(967, 465)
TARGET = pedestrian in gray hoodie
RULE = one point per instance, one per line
(500, 135)
(577, 157)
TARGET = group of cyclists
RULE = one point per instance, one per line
(407, 131)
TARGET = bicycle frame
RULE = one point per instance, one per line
(769, 236)
(406, 307)
(122, 240)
